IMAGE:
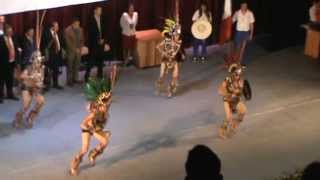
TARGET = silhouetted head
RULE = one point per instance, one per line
(312, 172)
(203, 164)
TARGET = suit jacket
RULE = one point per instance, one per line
(4, 51)
(94, 35)
(72, 41)
(53, 58)
(28, 47)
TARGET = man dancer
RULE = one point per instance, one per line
(232, 89)
(31, 85)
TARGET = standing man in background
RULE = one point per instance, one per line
(53, 53)
(74, 42)
(97, 43)
(2, 22)
(28, 46)
(128, 22)
(244, 20)
(8, 52)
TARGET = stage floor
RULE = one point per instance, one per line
(152, 135)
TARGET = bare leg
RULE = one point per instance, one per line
(241, 109)
(26, 102)
(172, 89)
(126, 56)
(224, 127)
(103, 138)
(36, 109)
(242, 49)
(159, 82)
(74, 167)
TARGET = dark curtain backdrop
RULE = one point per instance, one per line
(151, 14)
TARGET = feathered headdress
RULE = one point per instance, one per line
(171, 27)
(235, 68)
(36, 58)
(98, 90)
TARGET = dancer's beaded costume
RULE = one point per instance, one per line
(169, 48)
(31, 87)
(99, 94)
(232, 89)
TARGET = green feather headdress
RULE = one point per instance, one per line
(98, 90)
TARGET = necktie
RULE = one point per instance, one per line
(56, 42)
(12, 53)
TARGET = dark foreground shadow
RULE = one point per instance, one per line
(203, 164)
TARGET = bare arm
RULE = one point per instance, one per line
(251, 30)
(23, 75)
(195, 16)
(252, 25)
(87, 122)
(222, 90)
(160, 47)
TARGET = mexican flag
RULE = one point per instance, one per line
(226, 24)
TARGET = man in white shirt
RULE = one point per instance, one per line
(128, 23)
(244, 20)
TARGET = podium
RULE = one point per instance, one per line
(147, 42)
(312, 44)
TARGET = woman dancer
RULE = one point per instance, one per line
(99, 94)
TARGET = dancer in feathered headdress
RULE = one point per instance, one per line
(170, 48)
(31, 82)
(99, 93)
(232, 89)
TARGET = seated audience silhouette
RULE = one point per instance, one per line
(312, 172)
(203, 164)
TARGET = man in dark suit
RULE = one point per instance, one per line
(28, 47)
(97, 43)
(8, 51)
(52, 49)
